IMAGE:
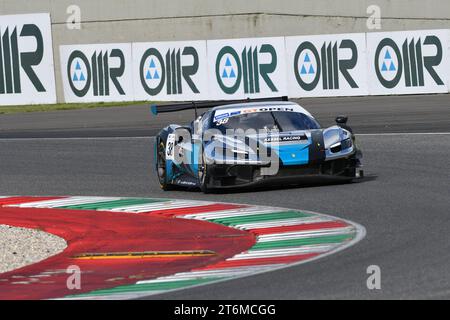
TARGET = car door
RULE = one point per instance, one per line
(188, 148)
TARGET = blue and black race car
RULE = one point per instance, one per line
(250, 142)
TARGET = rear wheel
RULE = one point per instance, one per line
(161, 167)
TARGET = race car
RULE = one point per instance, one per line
(244, 143)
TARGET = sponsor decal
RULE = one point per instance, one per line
(247, 67)
(269, 109)
(221, 114)
(391, 62)
(96, 72)
(170, 70)
(185, 182)
(286, 138)
(101, 72)
(408, 62)
(26, 60)
(326, 65)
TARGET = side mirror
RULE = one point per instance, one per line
(341, 119)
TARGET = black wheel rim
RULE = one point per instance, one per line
(161, 164)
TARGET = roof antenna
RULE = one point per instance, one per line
(195, 109)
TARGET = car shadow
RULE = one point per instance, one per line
(318, 182)
(308, 182)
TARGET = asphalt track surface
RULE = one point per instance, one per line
(403, 203)
(420, 113)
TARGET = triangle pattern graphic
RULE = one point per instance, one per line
(152, 63)
(311, 70)
(75, 78)
(392, 67)
(303, 71)
(82, 77)
(78, 67)
(387, 55)
(307, 58)
(148, 76)
(383, 67)
(156, 75)
(224, 74)
(228, 62)
(232, 75)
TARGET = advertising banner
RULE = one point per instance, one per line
(247, 68)
(170, 71)
(408, 62)
(97, 72)
(26, 60)
(327, 65)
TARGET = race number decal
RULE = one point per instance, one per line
(222, 121)
(170, 146)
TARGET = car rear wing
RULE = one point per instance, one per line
(155, 109)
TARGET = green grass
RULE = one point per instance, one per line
(67, 106)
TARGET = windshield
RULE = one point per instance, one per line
(275, 120)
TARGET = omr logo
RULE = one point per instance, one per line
(307, 65)
(153, 70)
(310, 65)
(11, 59)
(391, 62)
(232, 69)
(97, 72)
(157, 72)
(388, 63)
(228, 70)
(78, 73)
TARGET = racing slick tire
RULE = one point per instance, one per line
(161, 167)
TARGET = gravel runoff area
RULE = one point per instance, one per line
(20, 247)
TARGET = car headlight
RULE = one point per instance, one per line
(347, 143)
(340, 146)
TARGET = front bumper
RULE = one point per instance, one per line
(229, 175)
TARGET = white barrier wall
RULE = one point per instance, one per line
(358, 64)
(408, 62)
(170, 71)
(116, 21)
(98, 72)
(403, 62)
(26, 60)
